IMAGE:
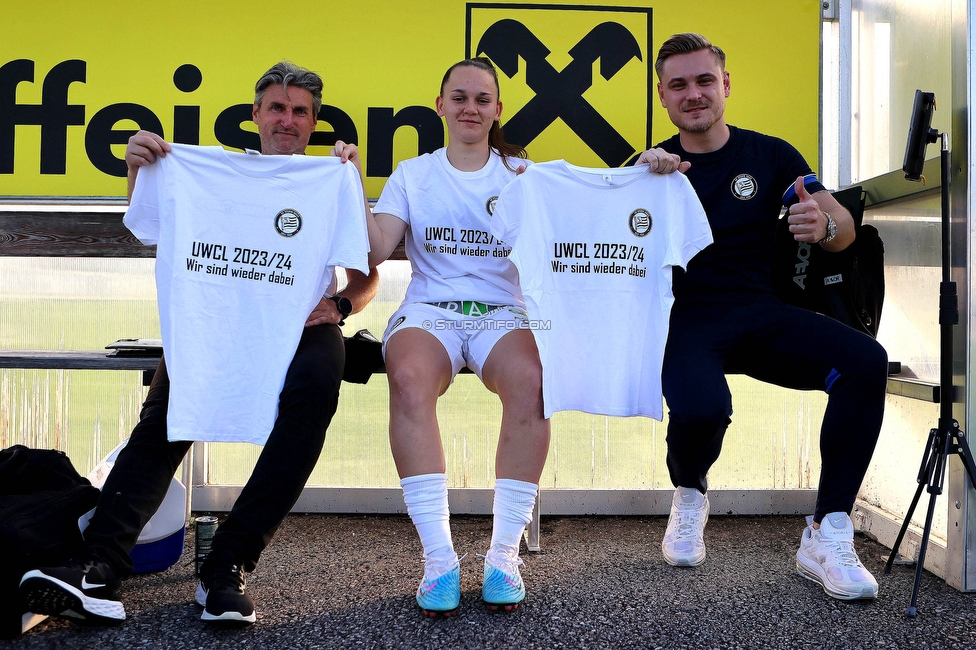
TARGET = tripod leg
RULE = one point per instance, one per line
(921, 554)
(962, 448)
(904, 528)
(925, 471)
(938, 462)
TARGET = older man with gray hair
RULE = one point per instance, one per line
(86, 589)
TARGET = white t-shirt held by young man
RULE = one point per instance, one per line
(594, 250)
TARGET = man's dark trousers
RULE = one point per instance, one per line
(144, 469)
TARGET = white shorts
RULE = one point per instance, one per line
(468, 340)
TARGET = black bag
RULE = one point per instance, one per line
(41, 499)
(848, 286)
(364, 356)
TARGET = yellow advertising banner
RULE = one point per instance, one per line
(577, 78)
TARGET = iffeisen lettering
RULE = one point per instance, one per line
(55, 115)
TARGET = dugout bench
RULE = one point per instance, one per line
(96, 230)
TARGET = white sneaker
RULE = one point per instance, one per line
(683, 543)
(827, 556)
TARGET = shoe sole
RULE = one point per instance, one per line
(228, 618)
(437, 613)
(682, 562)
(502, 607)
(46, 595)
(867, 593)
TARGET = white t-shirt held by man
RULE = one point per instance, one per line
(247, 246)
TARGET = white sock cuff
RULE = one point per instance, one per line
(426, 497)
(514, 500)
(420, 478)
(517, 491)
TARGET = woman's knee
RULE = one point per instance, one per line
(523, 380)
(414, 386)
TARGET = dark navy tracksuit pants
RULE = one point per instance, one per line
(783, 345)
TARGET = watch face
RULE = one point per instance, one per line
(831, 230)
(343, 304)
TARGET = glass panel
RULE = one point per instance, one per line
(909, 330)
(898, 46)
(912, 233)
(85, 413)
(771, 444)
(829, 103)
(72, 304)
(50, 303)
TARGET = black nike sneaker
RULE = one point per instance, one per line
(84, 590)
(221, 592)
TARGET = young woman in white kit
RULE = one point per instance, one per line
(463, 307)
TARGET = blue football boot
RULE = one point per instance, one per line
(502, 588)
(440, 595)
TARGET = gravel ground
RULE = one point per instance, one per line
(338, 581)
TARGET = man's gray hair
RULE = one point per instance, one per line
(287, 74)
(686, 43)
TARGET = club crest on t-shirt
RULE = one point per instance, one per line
(744, 187)
(640, 222)
(490, 205)
(288, 223)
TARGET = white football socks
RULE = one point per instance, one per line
(514, 501)
(426, 498)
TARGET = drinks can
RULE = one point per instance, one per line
(204, 529)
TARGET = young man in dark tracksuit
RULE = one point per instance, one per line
(725, 315)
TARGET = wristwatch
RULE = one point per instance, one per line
(344, 305)
(831, 229)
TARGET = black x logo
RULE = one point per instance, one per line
(560, 94)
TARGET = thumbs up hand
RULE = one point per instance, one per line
(807, 221)
(801, 190)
